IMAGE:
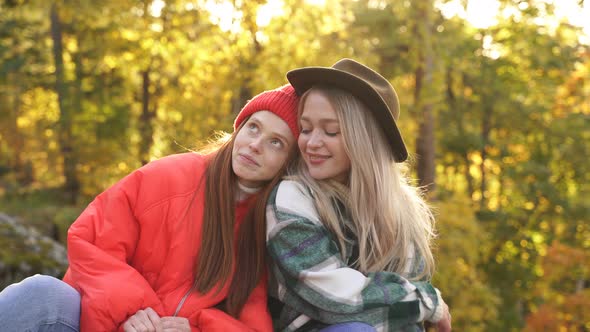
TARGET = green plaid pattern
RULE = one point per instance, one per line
(316, 285)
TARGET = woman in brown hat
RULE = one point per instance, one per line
(348, 235)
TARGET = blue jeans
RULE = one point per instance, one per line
(39, 304)
(349, 327)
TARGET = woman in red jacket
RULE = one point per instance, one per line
(174, 245)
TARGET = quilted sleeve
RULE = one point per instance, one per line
(101, 243)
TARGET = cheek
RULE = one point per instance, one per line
(301, 142)
(338, 145)
(279, 160)
(239, 139)
(274, 164)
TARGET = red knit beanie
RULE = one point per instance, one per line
(281, 101)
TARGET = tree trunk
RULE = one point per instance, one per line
(146, 128)
(24, 174)
(149, 90)
(77, 98)
(456, 110)
(242, 97)
(425, 141)
(486, 126)
(426, 150)
(72, 185)
(248, 66)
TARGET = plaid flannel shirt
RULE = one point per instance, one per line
(315, 286)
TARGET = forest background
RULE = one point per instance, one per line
(496, 113)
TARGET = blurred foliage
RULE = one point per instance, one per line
(562, 297)
(142, 79)
(461, 244)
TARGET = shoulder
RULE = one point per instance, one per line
(184, 163)
(294, 199)
(290, 189)
(173, 171)
(172, 176)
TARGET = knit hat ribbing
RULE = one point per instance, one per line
(281, 101)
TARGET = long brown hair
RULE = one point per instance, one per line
(213, 271)
(251, 247)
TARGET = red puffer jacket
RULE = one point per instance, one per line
(135, 246)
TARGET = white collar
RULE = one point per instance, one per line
(244, 191)
(248, 190)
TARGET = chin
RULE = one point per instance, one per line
(318, 177)
(241, 175)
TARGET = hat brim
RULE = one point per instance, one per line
(302, 79)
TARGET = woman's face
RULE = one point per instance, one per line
(320, 142)
(261, 148)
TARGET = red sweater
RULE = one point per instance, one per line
(135, 246)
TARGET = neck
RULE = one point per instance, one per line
(244, 191)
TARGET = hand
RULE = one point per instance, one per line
(444, 325)
(146, 320)
(175, 324)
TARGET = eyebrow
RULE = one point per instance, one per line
(324, 120)
(275, 133)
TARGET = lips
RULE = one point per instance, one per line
(247, 159)
(316, 159)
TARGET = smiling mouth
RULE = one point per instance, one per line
(317, 159)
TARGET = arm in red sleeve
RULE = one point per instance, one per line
(255, 311)
(101, 242)
(253, 318)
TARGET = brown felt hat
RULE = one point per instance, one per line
(365, 84)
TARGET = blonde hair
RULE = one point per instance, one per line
(388, 215)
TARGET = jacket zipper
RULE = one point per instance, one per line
(181, 302)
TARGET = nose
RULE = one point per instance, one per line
(315, 140)
(255, 144)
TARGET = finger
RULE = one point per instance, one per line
(178, 329)
(141, 315)
(154, 319)
(172, 325)
(127, 327)
(138, 321)
(176, 318)
(448, 326)
(169, 323)
(175, 323)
